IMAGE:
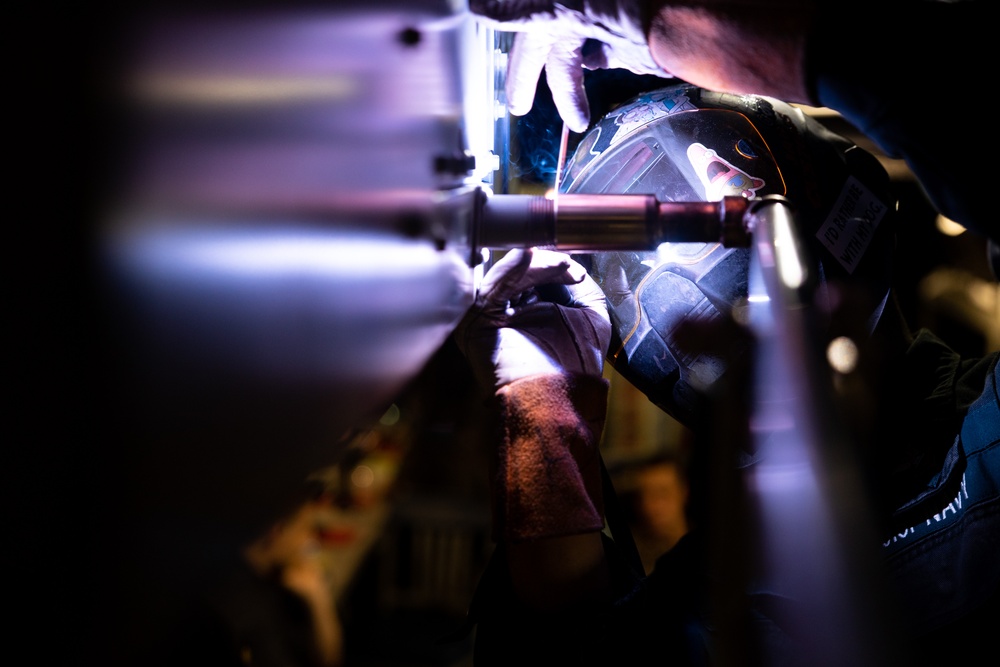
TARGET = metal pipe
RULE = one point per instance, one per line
(594, 222)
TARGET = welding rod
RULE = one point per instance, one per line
(601, 222)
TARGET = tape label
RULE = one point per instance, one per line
(851, 224)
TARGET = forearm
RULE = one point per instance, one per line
(548, 507)
(743, 47)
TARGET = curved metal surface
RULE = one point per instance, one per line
(282, 245)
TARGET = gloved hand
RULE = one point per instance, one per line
(537, 312)
(565, 37)
(536, 338)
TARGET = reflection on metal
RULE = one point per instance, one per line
(294, 199)
(292, 303)
(604, 222)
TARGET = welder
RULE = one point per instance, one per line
(557, 589)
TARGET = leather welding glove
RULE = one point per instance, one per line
(536, 337)
(565, 37)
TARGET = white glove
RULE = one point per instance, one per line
(537, 313)
(555, 35)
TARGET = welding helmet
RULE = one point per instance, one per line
(683, 143)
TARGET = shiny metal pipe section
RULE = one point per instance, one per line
(595, 222)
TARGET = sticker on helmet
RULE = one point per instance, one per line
(645, 109)
(851, 224)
